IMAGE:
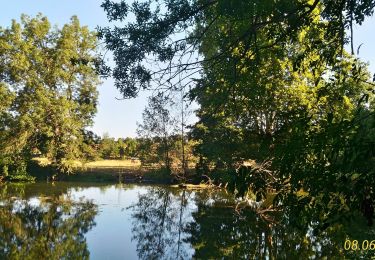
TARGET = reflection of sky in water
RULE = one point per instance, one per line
(111, 237)
(119, 213)
(135, 221)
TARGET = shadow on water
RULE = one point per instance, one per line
(50, 227)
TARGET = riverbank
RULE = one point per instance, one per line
(118, 171)
(119, 174)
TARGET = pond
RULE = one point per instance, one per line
(106, 221)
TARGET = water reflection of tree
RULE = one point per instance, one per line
(53, 228)
(159, 223)
(204, 224)
(218, 232)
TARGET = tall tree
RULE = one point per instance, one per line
(158, 123)
(50, 76)
(297, 115)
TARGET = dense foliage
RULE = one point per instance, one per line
(122, 148)
(148, 26)
(48, 81)
(276, 90)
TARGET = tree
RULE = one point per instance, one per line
(325, 147)
(157, 33)
(158, 123)
(49, 77)
(108, 147)
(90, 146)
(131, 145)
(184, 112)
(275, 86)
(295, 119)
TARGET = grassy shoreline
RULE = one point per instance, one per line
(124, 171)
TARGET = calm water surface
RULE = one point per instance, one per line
(98, 221)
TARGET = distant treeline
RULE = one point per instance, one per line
(147, 150)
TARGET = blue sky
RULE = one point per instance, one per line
(119, 117)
